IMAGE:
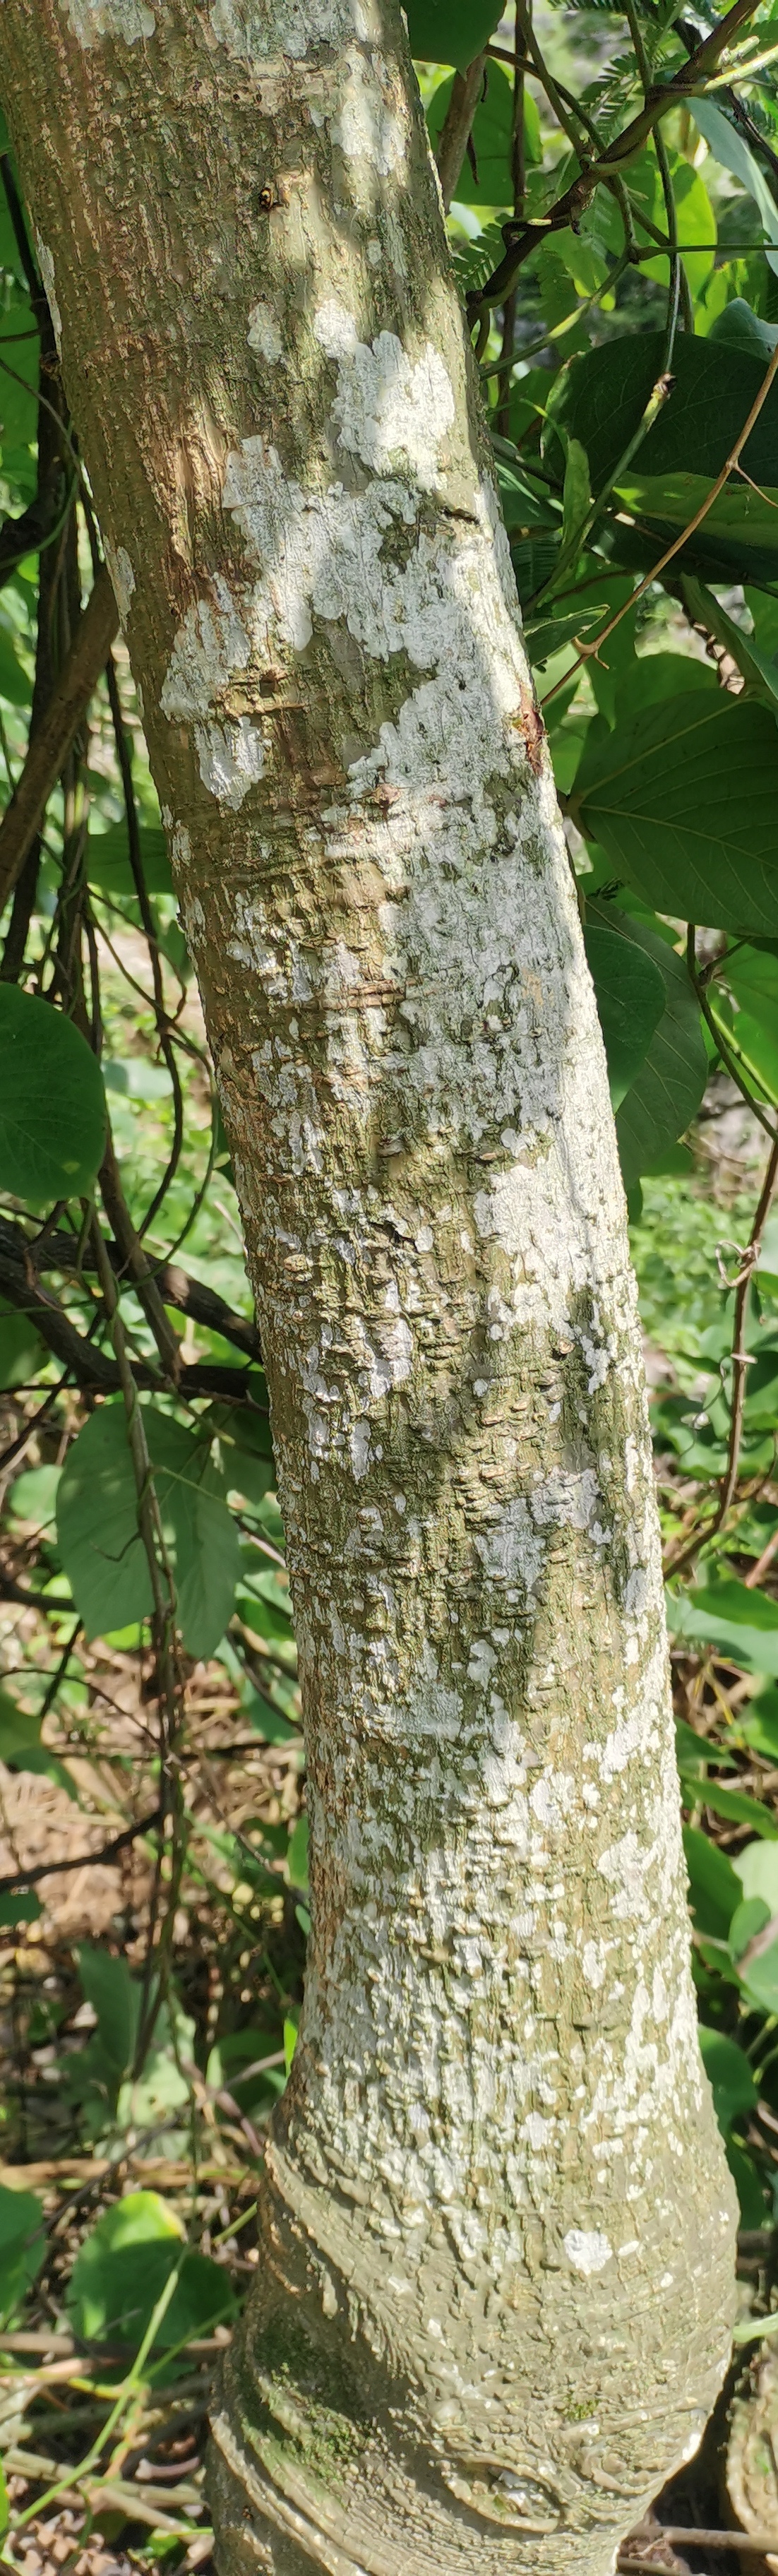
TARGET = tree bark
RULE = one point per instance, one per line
(496, 2248)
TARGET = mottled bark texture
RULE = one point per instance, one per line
(496, 2227)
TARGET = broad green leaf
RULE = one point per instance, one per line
(737, 539)
(748, 1920)
(451, 31)
(246, 1449)
(759, 1727)
(714, 1888)
(759, 1977)
(114, 1997)
(732, 153)
(22, 2245)
(21, 1348)
(668, 1088)
(123, 2267)
(682, 798)
(754, 2203)
(739, 327)
(729, 2075)
(695, 1756)
(101, 1549)
(743, 1625)
(108, 861)
(33, 1495)
(757, 1870)
(492, 136)
(630, 994)
(52, 1103)
(601, 396)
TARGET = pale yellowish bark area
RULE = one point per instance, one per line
(493, 2295)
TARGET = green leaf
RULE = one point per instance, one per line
(729, 2075)
(668, 1088)
(52, 1103)
(21, 1747)
(759, 1727)
(754, 2205)
(297, 1854)
(757, 1870)
(759, 1978)
(630, 993)
(101, 1549)
(19, 366)
(695, 1755)
(752, 977)
(739, 327)
(748, 1920)
(682, 798)
(108, 861)
(576, 492)
(451, 31)
(714, 1887)
(736, 1805)
(123, 2267)
(22, 2245)
(601, 397)
(21, 1348)
(738, 539)
(115, 1998)
(23, 1907)
(743, 1625)
(492, 138)
(729, 149)
(15, 686)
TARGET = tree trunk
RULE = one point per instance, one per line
(496, 2247)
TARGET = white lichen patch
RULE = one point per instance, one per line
(389, 408)
(46, 266)
(122, 578)
(368, 126)
(587, 2249)
(263, 334)
(130, 22)
(231, 758)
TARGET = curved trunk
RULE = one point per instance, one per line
(496, 2223)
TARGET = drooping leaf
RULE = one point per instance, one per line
(714, 1888)
(756, 1868)
(22, 2245)
(630, 993)
(742, 1624)
(732, 152)
(451, 31)
(668, 1087)
(751, 1019)
(682, 797)
(736, 1806)
(114, 1997)
(52, 1102)
(729, 2075)
(759, 671)
(97, 1527)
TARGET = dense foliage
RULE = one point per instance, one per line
(614, 224)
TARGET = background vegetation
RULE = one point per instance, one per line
(615, 231)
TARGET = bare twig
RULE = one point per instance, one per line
(458, 126)
(47, 754)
